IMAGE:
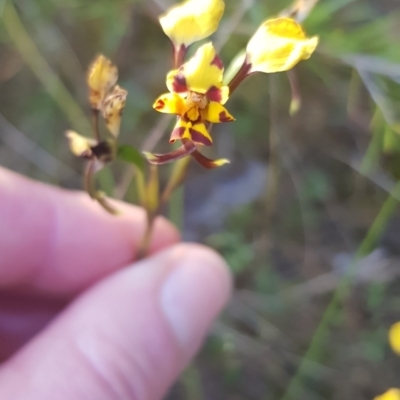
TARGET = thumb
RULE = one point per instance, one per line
(126, 338)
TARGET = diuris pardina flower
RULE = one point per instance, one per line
(196, 96)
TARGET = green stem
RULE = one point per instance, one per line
(374, 151)
(239, 77)
(152, 206)
(273, 170)
(90, 188)
(145, 243)
(95, 119)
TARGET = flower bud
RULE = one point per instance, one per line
(102, 76)
(278, 45)
(112, 109)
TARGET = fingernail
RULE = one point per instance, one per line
(193, 294)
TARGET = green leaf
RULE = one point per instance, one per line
(131, 155)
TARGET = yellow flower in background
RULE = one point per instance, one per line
(197, 95)
(278, 45)
(391, 394)
(102, 76)
(394, 337)
(192, 20)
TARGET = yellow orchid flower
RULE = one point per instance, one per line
(391, 394)
(278, 45)
(196, 96)
(394, 337)
(191, 21)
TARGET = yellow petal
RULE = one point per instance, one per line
(80, 146)
(193, 114)
(102, 76)
(192, 20)
(217, 113)
(391, 394)
(112, 109)
(198, 134)
(394, 337)
(202, 73)
(170, 103)
(181, 127)
(278, 45)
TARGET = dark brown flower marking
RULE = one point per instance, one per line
(224, 117)
(214, 94)
(198, 137)
(179, 84)
(177, 134)
(217, 62)
(159, 105)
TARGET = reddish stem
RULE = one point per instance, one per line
(179, 55)
(239, 77)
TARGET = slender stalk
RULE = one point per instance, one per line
(295, 102)
(179, 55)
(145, 242)
(239, 77)
(371, 159)
(176, 178)
(88, 181)
(90, 188)
(274, 168)
(95, 124)
(152, 206)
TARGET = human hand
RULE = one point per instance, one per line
(74, 323)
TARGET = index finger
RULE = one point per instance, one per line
(62, 241)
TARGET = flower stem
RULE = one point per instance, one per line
(88, 181)
(89, 185)
(239, 77)
(179, 55)
(151, 202)
(144, 246)
(95, 124)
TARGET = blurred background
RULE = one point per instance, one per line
(306, 213)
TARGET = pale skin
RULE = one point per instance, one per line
(78, 319)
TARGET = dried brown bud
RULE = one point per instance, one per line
(113, 107)
(102, 76)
